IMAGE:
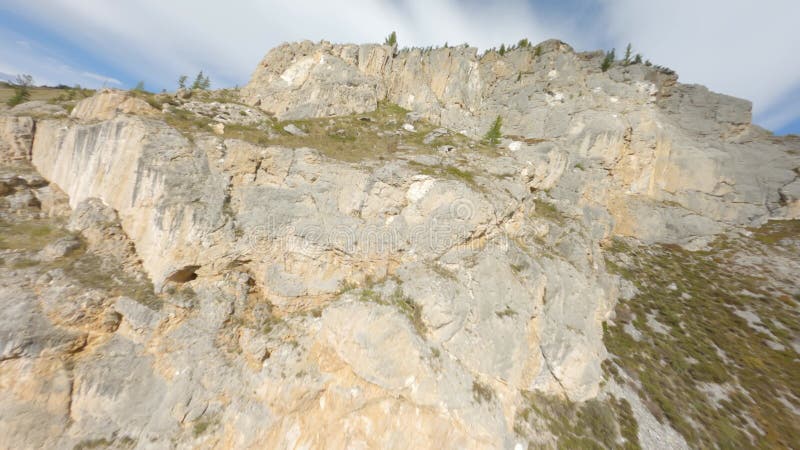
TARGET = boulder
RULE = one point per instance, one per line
(106, 104)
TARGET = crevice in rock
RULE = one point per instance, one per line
(183, 275)
(552, 373)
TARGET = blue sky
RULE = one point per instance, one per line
(738, 47)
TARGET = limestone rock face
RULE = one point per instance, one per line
(16, 138)
(660, 140)
(301, 80)
(122, 162)
(207, 291)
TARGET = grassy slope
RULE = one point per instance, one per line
(706, 346)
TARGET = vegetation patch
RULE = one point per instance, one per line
(482, 393)
(730, 325)
(547, 210)
(91, 271)
(595, 424)
(406, 305)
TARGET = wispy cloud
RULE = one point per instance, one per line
(738, 47)
(101, 78)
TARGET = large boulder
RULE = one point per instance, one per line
(301, 80)
(108, 103)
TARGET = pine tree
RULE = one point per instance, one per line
(608, 60)
(139, 87)
(391, 40)
(201, 82)
(628, 50)
(502, 50)
(637, 59)
(182, 81)
(493, 136)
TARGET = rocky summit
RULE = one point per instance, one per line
(368, 247)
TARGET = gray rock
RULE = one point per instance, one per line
(60, 248)
(38, 109)
(16, 138)
(294, 130)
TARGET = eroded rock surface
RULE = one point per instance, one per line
(205, 275)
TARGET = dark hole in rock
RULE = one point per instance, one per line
(183, 275)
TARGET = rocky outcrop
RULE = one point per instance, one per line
(16, 138)
(307, 80)
(660, 141)
(108, 103)
(211, 291)
(160, 185)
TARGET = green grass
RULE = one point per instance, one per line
(32, 235)
(548, 211)
(202, 425)
(708, 343)
(482, 393)
(446, 172)
(406, 305)
(354, 138)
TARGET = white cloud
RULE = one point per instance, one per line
(738, 47)
(157, 41)
(101, 78)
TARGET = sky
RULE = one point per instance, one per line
(744, 48)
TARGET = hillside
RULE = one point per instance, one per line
(337, 256)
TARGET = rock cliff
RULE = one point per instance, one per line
(332, 258)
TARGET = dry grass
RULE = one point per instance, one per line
(48, 94)
(89, 270)
(377, 135)
(595, 424)
(707, 342)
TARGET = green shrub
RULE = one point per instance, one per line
(391, 40)
(182, 81)
(493, 136)
(502, 50)
(628, 51)
(22, 92)
(608, 60)
(201, 82)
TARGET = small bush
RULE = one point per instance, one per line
(493, 136)
(482, 392)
